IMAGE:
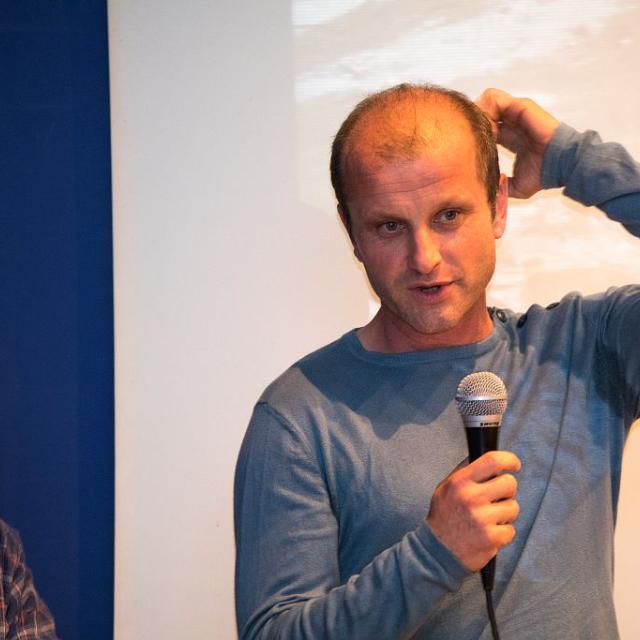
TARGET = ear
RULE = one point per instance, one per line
(347, 225)
(502, 198)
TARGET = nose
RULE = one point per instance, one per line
(424, 253)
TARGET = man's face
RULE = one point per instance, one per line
(424, 232)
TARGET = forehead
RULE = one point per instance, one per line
(395, 128)
(405, 131)
(436, 150)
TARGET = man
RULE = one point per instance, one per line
(23, 614)
(356, 515)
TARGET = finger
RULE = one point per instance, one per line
(504, 512)
(494, 102)
(506, 113)
(510, 137)
(492, 464)
(501, 487)
(502, 534)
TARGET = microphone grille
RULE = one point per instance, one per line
(481, 394)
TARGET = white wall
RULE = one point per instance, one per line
(229, 259)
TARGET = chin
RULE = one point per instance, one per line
(431, 325)
(433, 329)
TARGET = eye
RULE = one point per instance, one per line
(390, 227)
(448, 216)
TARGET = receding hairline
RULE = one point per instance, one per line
(403, 130)
(395, 140)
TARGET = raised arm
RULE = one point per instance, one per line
(551, 154)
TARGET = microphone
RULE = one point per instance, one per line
(482, 399)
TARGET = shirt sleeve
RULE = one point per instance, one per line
(288, 582)
(595, 173)
(26, 616)
(605, 175)
(617, 367)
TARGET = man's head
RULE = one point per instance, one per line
(387, 122)
(419, 190)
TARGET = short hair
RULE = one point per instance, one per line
(401, 146)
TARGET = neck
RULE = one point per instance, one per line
(385, 335)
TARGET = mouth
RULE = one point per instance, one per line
(432, 292)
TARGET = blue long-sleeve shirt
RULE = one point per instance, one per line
(345, 449)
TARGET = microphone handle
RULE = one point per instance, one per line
(481, 440)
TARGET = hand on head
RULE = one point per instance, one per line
(473, 509)
(524, 127)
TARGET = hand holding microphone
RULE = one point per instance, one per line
(482, 399)
(473, 509)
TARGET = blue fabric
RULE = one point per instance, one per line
(345, 449)
(56, 292)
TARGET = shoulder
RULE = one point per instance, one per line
(593, 307)
(312, 374)
(573, 314)
(303, 401)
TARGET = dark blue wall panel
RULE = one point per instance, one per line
(56, 320)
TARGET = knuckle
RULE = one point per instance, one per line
(492, 461)
(451, 490)
(440, 488)
(453, 481)
(511, 483)
(458, 488)
(444, 486)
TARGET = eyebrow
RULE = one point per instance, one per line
(451, 202)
